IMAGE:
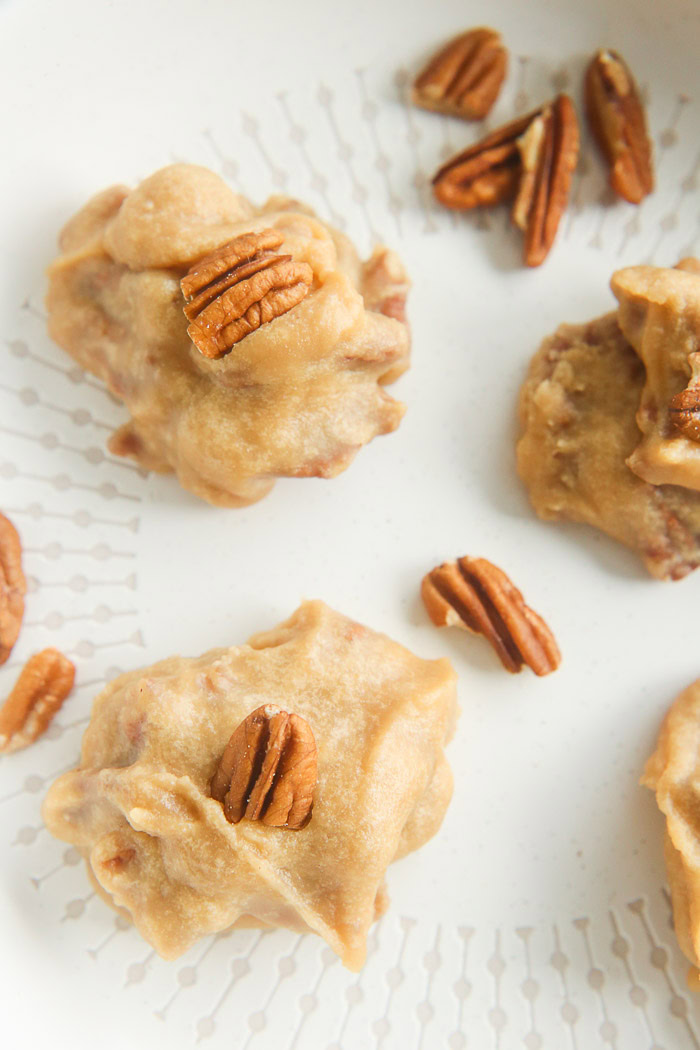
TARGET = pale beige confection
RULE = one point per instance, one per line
(659, 315)
(673, 773)
(578, 410)
(160, 848)
(298, 397)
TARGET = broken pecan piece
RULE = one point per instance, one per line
(618, 122)
(532, 159)
(13, 587)
(464, 78)
(475, 595)
(268, 770)
(239, 287)
(44, 683)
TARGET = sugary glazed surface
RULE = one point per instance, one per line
(659, 315)
(578, 410)
(673, 773)
(297, 398)
(159, 847)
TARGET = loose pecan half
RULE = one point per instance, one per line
(464, 78)
(618, 122)
(532, 159)
(44, 683)
(268, 770)
(475, 595)
(239, 287)
(13, 587)
(487, 172)
(549, 154)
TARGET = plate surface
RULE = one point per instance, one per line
(538, 916)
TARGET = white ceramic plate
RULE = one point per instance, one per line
(538, 916)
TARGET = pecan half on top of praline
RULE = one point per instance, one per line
(477, 596)
(616, 115)
(465, 76)
(239, 287)
(268, 770)
(530, 161)
(684, 407)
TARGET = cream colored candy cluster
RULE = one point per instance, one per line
(156, 843)
(298, 397)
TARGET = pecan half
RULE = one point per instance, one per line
(44, 683)
(13, 587)
(239, 287)
(487, 172)
(618, 122)
(684, 407)
(684, 411)
(268, 770)
(549, 154)
(532, 159)
(464, 78)
(475, 595)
